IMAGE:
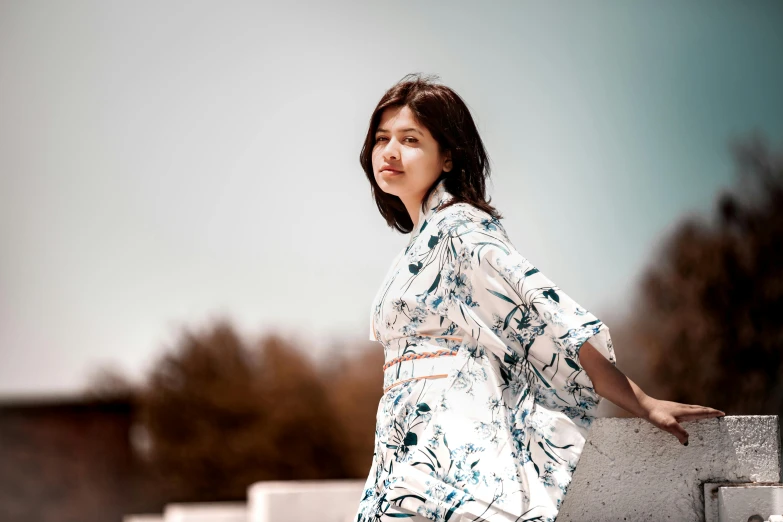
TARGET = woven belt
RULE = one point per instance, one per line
(427, 365)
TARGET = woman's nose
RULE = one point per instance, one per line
(390, 151)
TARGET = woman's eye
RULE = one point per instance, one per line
(379, 138)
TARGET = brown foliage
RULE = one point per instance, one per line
(355, 388)
(221, 414)
(711, 307)
(107, 383)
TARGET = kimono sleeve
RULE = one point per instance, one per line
(522, 317)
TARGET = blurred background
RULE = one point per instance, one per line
(189, 247)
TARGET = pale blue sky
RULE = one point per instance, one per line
(164, 163)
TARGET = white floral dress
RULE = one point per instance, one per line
(486, 406)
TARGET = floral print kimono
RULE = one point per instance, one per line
(485, 407)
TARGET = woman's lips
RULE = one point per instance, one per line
(389, 171)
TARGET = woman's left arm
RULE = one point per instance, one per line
(614, 385)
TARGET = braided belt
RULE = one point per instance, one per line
(426, 365)
(412, 356)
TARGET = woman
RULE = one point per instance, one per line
(490, 382)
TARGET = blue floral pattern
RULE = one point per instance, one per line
(491, 427)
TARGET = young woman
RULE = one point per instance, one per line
(493, 374)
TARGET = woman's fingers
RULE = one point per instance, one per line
(697, 416)
(694, 412)
(678, 431)
(707, 409)
(667, 416)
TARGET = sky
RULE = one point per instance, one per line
(165, 164)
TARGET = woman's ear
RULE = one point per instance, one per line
(447, 165)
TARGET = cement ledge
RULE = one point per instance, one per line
(631, 470)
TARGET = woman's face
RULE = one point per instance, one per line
(407, 147)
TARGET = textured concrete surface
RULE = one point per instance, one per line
(631, 470)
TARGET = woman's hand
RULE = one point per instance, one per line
(667, 416)
(613, 384)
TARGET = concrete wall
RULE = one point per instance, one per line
(631, 470)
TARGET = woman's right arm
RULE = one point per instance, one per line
(614, 385)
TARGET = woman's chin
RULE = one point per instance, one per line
(391, 184)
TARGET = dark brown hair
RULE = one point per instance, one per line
(448, 119)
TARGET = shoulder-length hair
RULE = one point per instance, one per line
(448, 119)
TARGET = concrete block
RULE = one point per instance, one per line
(765, 500)
(304, 501)
(206, 512)
(741, 501)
